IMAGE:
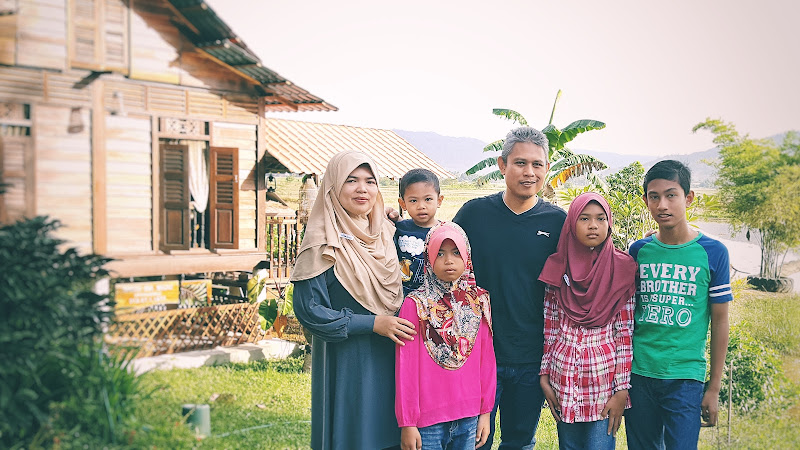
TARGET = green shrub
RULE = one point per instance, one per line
(758, 377)
(51, 340)
(103, 404)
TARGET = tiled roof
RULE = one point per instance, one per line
(214, 37)
(306, 147)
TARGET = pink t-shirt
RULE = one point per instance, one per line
(427, 394)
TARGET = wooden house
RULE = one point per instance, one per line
(140, 124)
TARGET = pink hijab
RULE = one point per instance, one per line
(600, 282)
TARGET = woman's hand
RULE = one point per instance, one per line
(394, 328)
(410, 438)
(391, 213)
(550, 396)
(614, 410)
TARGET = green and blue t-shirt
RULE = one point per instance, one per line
(676, 285)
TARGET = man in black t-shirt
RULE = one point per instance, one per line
(512, 234)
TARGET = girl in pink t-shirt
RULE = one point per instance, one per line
(446, 378)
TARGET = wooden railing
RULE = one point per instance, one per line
(283, 241)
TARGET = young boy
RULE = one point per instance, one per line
(421, 197)
(683, 281)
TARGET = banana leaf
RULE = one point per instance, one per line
(510, 114)
(488, 162)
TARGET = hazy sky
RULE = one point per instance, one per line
(649, 70)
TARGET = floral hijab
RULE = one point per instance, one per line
(450, 312)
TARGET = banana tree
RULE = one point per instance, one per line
(565, 164)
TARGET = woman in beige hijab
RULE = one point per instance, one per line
(347, 290)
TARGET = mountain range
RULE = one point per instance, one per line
(457, 154)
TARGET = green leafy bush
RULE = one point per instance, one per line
(51, 339)
(758, 377)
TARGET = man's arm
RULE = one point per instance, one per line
(719, 348)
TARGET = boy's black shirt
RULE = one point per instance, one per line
(410, 252)
(508, 254)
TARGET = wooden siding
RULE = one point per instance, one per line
(66, 88)
(42, 34)
(175, 101)
(21, 84)
(8, 39)
(63, 173)
(160, 53)
(242, 137)
(129, 185)
(200, 71)
(156, 45)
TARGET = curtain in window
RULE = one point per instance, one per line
(198, 175)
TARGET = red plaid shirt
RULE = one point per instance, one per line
(586, 365)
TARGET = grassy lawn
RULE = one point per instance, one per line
(267, 404)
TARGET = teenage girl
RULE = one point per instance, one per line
(588, 308)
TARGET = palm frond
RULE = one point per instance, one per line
(511, 115)
(496, 146)
(573, 166)
(559, 138)
(488, 162)
(491, 176)
(597, 182)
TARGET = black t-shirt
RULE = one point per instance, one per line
(508, 254)
(409, 239)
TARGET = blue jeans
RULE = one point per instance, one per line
(585, 435)
(455, 435)
(664, 414)
(519, 398)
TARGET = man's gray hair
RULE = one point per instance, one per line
(524, 134)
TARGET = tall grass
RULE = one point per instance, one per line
(771, 318)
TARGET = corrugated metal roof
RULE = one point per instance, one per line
(213, 36)
(306, 147)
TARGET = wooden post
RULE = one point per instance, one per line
(155, 152)
(261, 199)
(730, 400)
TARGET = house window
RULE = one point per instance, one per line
(98, 31)
(199, 195)
(16, 163)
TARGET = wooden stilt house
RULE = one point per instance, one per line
(140, 125)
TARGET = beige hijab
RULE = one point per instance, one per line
(360, 249)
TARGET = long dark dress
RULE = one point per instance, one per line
(352, 374)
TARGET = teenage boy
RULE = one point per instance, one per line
(512, 234)
(683, 282)
(421, 197)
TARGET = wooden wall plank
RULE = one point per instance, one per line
(155, 43)
(8, 39)
(21, 84)
(72, 206)
(42, 34)
(129, 184)
(99, 171)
